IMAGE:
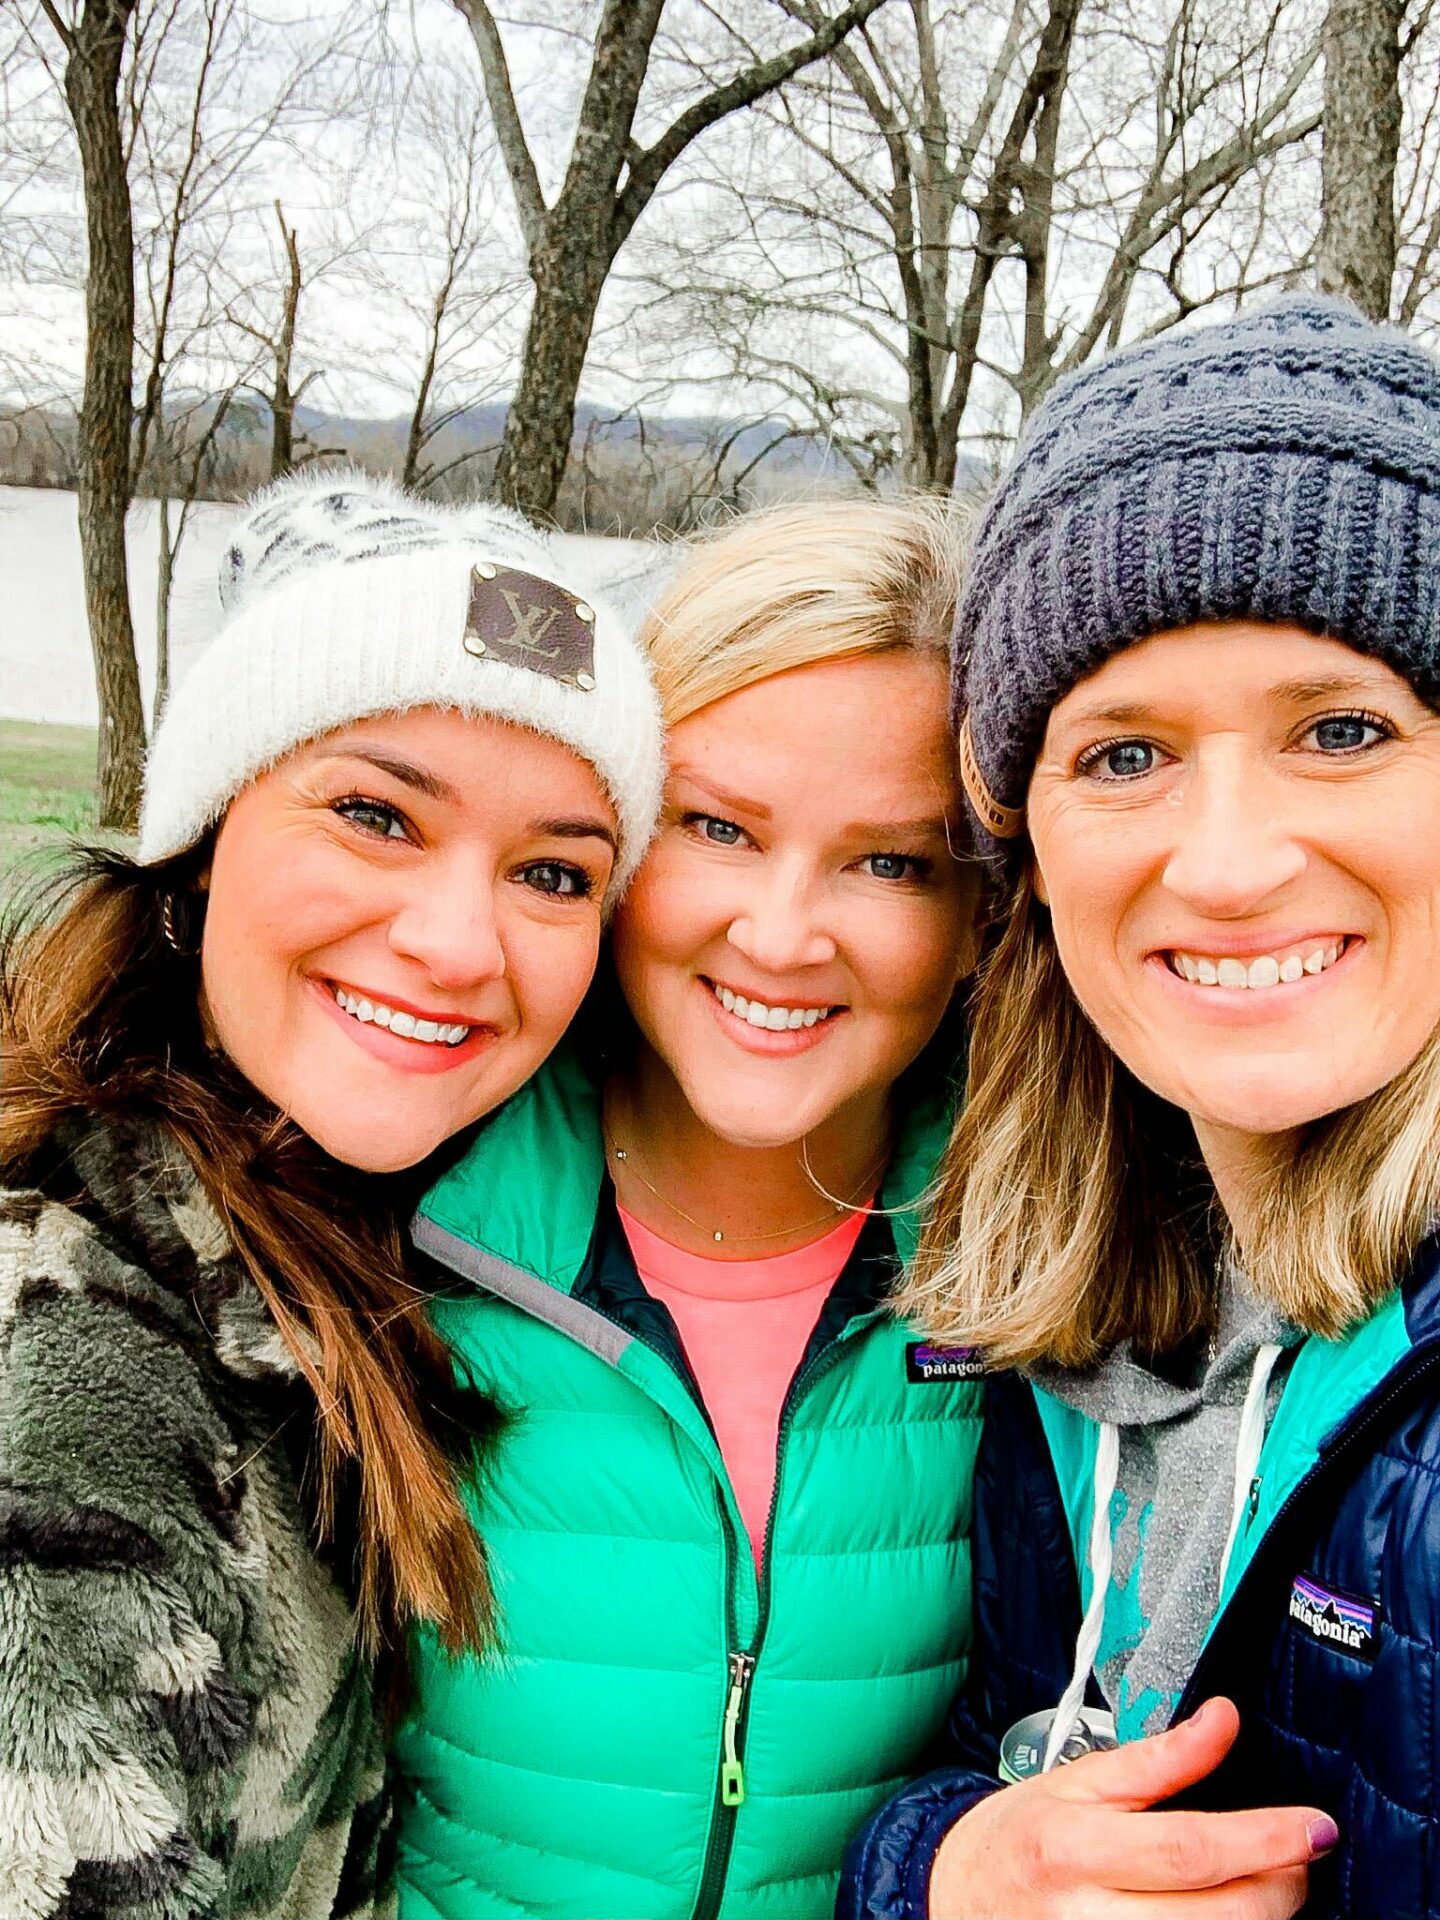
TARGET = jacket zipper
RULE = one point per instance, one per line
(742, 1661)
(1400, 1388)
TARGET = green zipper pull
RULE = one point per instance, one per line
(1254, 1501)
(732, 1773)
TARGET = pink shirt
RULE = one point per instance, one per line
(744, 1325)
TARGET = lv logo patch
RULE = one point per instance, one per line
(524, 621)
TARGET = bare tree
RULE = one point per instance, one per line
(1363, 113)
(609, 181)
(434, 263)
(93, 40)
(975, 196)
(276, 336)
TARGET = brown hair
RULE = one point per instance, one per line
(1072, 1210)
(99, 1015)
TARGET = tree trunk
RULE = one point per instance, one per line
(541, 420)
(282, 400)
(92, 80)
(164, 581)
(1362, 144)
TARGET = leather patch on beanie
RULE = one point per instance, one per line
(524, 621)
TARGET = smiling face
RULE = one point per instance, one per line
(402, 919)
(1236, 831)
(797, 929)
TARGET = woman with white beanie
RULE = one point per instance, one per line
(384, 819)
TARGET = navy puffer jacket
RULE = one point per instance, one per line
(1327, 1636)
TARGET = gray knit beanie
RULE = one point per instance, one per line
(1281, 466)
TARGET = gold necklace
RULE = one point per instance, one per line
(626, 1158)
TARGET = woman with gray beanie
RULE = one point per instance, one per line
(384, 817)
(1190, 1212)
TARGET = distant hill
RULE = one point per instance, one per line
(628, 474)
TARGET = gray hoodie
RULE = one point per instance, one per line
(1171, 1510)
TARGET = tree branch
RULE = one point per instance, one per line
(742, 90)
(514, 148)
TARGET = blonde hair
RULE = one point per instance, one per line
(1071, 1209)
(798, 585)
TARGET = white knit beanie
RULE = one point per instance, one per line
(345, 598)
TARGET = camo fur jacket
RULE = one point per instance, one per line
(186, 1729)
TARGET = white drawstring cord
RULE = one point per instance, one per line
(1107, 1467)
(1249, 1441)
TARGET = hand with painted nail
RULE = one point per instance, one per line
(1081, 1842)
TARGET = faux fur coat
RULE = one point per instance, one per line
(186, 1728)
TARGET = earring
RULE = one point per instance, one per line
(182, 917)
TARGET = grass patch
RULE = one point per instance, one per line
(47, 791)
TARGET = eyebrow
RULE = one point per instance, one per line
(732, 802)
(1302, 690)
(407, 772)
(1135, 712)
(933, 826)
(582, 828)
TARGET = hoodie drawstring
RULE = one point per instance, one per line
(1249, 1441)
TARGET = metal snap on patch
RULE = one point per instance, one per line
(528, 622)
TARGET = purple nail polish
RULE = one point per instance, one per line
(1324, 1836)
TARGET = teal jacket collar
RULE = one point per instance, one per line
(527, 1191)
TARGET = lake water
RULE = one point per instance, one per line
(46, 672)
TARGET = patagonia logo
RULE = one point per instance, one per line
(1334, 1618)
(924, 1362)
(528, 622)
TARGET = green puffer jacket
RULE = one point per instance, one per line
(662, 1736)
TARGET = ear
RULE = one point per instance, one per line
(1037, 880)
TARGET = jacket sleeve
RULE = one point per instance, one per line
(120, 1727)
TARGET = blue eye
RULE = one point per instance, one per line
(1118, 760)
(1348, 732)
(720, 833)
(895, 866)
(553, 877)
(373, 817)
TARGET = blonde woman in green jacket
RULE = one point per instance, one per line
(730, 1515)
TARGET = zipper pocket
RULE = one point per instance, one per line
(732, 1768)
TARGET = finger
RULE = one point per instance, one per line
(1156, 1768)
(1269, 1896)
(1169, 1852)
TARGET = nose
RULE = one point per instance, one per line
(449, 923)
(1234, 847)
(778, 925)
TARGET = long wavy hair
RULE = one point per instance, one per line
(99, 1017)
(1072, 1209)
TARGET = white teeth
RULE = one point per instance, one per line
(774, 1019)
(374, 1012)
(1265, 970)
